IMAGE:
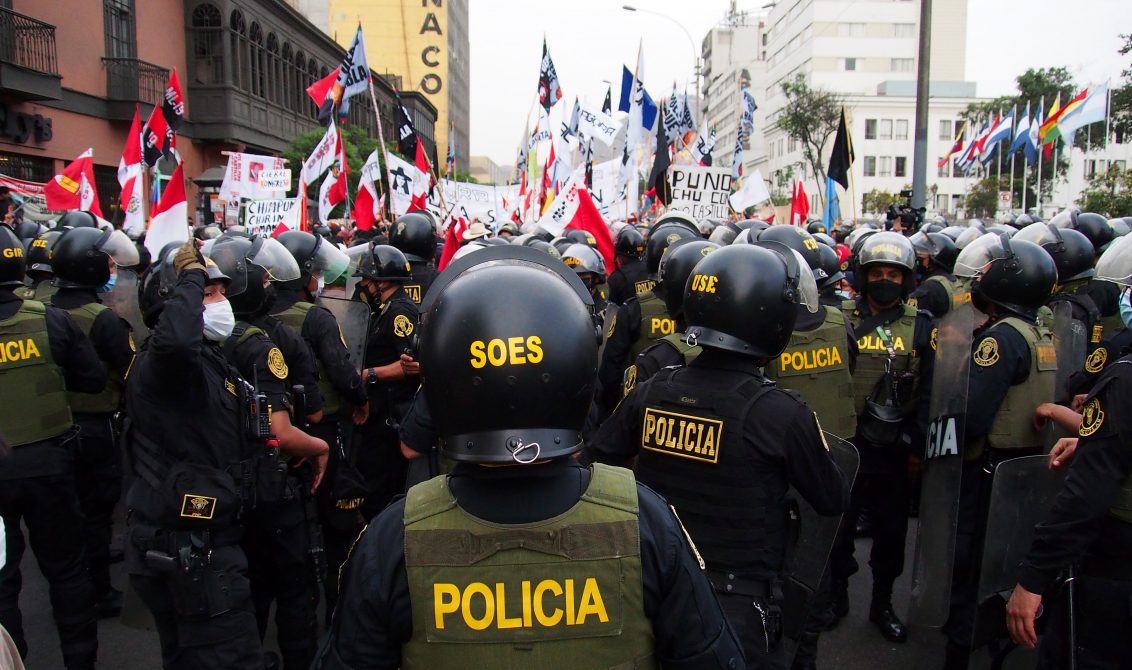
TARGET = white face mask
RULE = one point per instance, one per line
(218, 320)
(321, 285)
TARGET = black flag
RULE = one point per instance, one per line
(406, 134)
(658, 178)
(549, 90)
(841, 159)
(608, 104)
(589, 163)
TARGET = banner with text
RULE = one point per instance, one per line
(700, 191)
(262, 216)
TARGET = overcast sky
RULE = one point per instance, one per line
(590, 40)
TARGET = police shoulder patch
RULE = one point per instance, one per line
(611, 326)
(402, 326)
(935, 338)
(986, 354)
(276, 363)
(1096, 360)
(1092, 418)
(630, 378)
(130, 339)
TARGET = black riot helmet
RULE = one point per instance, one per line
(508, 386)
(1016, 275)
(28, 230)
(815, 227)
(659, 239)
(1096, 228)
(825, 239)
(725, 233)
(630, 243)
(831, 265)
(583, 259)
(248, 263)
(885, 248)
(78, 218)
(1071, 251)
(13, 261)
(799, 240)
(39, 256)
(582, 237)
(380, 262)
(676, 266)
(561, 244)
(675, 217)
(1119, 226)
(314, 256)
(939, 248)
(544, 247)
(508, 227)
(415, 236)
(743, 298)
(81, 256)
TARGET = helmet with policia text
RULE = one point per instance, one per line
(81, 256)
(13, 260)
(508, 386)
(583, 259)
(743, 298)
(415, 236)
(815, 227)
(676, 266)
(659, 239)
(675, 217)
(379, 262)
(886, 248)
(938, 247)
(40, 254)
(629, 243)
(1071, 251)
(507, 227)
(315, 257)
(1016, 275)
(543, 247)
(799, 240)
(248, 263)
(1115, 264)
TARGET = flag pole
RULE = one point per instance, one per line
(1107, 115)
(1041, 151)
(380, 141)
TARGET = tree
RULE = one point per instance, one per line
(1109, 193)
(877, 201)
(982, 199)
(359, 145)
(810, 116)
(1120, 110)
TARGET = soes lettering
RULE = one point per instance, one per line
(512, 351)
(546, 603)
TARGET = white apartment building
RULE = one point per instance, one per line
(733, 55)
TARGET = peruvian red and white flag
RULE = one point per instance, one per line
(74, 188)
(130, 169)
(170, 222)
(333, 189)
(367, 204)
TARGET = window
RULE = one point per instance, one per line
(239, 49)
(119, 28)
(793, 144)
(850, 30)
(870, 166)
(1091, 168)
(258, 62)
(849, 64)
(945, 130)
(901, 166)
(904, 30)
(903, 64)
(901, 129)
(957, 202)
(944, 171)
(208, 63)
(28, 168)
(1116, 165)
(941, 201)
(885, 129)
(885, 166)
(870, 129)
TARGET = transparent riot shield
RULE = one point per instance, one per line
(353, 322)
(1070, 342)
(123, 299)
(1022, 492)
(942, 469)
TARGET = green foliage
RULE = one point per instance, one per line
(982, 199)
(359, 145)
(1120, 110)
(877, 201)
(1109, 193)
(810, 116)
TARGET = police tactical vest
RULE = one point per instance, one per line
(688, 351)
(873, 352)
(1121, 507)
(815, 364)
(106, 401)
(1013, 425)
(33, 395)
(950, 285)
(294, 317)
(490, 595)
(695, 452)
(655, 323)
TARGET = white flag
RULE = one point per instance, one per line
(562, 209)
(323, 155)
(405, 183)
(753, 192)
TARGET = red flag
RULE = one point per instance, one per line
(421, 160)
(173, 107)
(170, 222)
(74, 187)
(420, 200)
(451, 241)
(799, 205)
(155, 137)
(280, 229)
(337, 192)
(588, 218)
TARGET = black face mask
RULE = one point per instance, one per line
(885, 293)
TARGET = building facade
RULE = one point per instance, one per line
(733, 54)
(486, 171)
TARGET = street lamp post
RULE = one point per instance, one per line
(695, 54)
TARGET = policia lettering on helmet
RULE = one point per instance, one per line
(84, 259)
(722, 444)
(279, 539)
(43, 355)
(891, 335)
(509, 392)
(415, 235)
(389, 372)
(1013, 371)
(631, 275)
(1090, 523)
(938, 288)
(205, 452)
(343, 392)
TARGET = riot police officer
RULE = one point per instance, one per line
(894, 347)
(389, 371)
(590, 268)
(722, 444)
(630, 276)
(83, 260)
(935, 259)
(39, 284)
(1089, 524)
(414, 235)
(45, 354)
(1013, 371)
(509, 391)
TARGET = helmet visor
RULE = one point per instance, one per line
(1040, 234)
(274, 258)
(354, 257)
(329, 261)
(1064, 218)
(977, 255)
(1115, 264)
(807, 285)
(921, 243)
(968, 236)
(120, 247)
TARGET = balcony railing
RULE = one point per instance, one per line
(27, 42)
(133, 80)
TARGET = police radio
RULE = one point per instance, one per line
(259, 411)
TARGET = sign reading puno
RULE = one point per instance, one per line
(701, 191)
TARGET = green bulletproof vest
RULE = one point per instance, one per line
(1012, 427)
(688, 351)
(815, 364)
(566, 592)
(655, 323)
(955, 296)
(33, 395)
(106, 401)
(293, 317)
(873, 352)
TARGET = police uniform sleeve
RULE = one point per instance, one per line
(321, 329)
(1000, 359)
(417, 430)
(615, 357)
(787, 432)
(373, 618)
(932, 297)
(690, 627)
(258, 360)
(174, 344)
(113, 340)
(618, 286)
(616, 440)
(1102, 462)
(74, 352)
(301, 368)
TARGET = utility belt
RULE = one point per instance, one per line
(766, 598)
(199, 589)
